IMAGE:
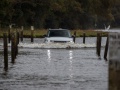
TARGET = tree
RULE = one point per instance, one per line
(71, 14)
(3, 12)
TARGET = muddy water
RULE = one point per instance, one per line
(55, 69)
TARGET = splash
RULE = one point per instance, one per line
(55, 45)
(107, 28)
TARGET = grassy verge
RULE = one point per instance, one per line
(40, 33)
(1, 32)
(89, 33)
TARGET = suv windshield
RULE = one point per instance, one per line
(58, 33)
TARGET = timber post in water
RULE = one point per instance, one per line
(98, 44)
(74, 37)
(13, 48)
(9, 33)
(5, 51)
(18, 37)
(16, 44)
(21, 34)
(84, 35)
(32, 31)
(114, 61)
(106, 48)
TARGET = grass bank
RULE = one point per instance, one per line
(39, 33)
(88, 33)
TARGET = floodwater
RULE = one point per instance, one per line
(55, 69)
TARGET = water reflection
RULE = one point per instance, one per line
(70, 55)
(71, 63)
(49, 55)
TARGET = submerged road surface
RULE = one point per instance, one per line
(55, 69)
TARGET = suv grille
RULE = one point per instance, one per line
(60, 41)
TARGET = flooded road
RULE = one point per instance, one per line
(55, 69)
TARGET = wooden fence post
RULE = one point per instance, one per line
(5, 51)
(74, 37)
(16, 45)
(9, 35)
(13, 48)
(106, 48)
(98, 44)
(22, 33)
(32, 31)
(84, 37)
(114, 61)
(18, 38)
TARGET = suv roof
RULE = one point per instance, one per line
(58, 29)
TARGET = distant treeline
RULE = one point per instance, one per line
(72, 14)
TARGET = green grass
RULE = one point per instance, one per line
(88, 33)
(40, 33)
(1, 33)
(37, 33)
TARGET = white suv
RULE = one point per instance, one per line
(58, 36)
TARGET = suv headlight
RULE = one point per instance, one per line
(71, 41)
